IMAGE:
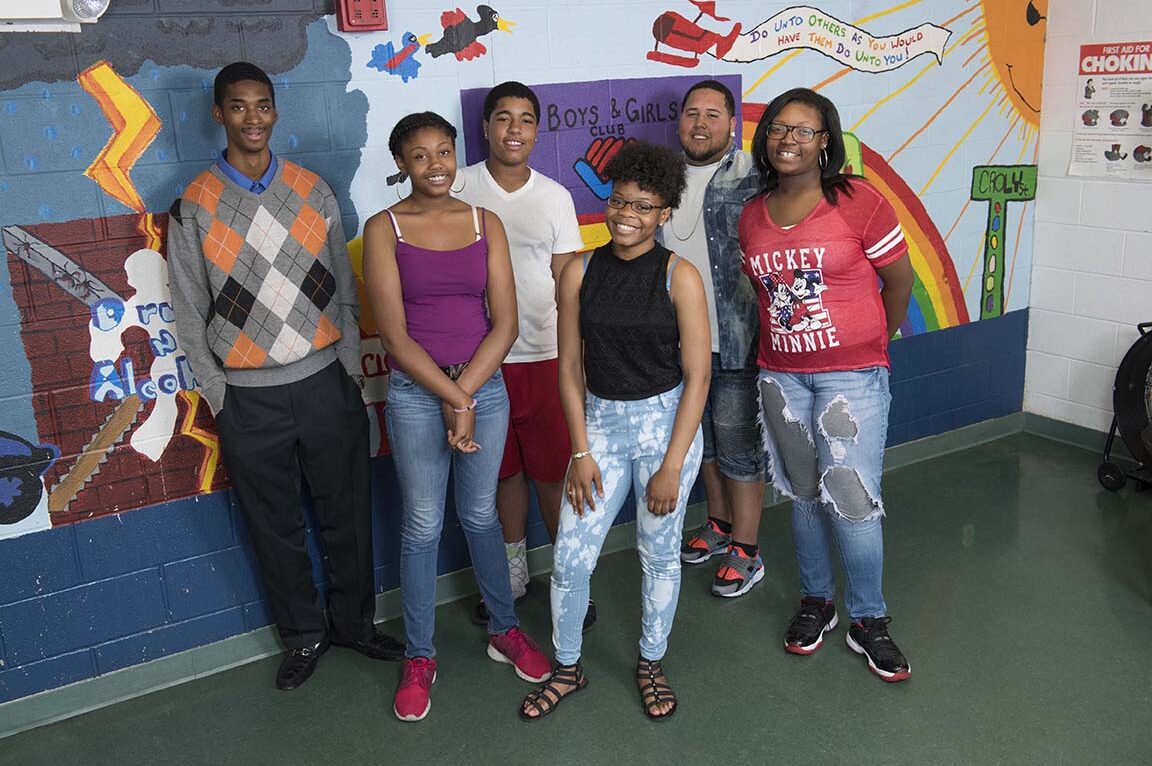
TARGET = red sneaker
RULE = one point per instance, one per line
(412, 702)
(515, 648)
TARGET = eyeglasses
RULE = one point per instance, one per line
(802, 133)
(638, 205)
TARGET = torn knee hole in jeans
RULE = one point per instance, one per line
(838, 427)
(775, 413)
(846, 495)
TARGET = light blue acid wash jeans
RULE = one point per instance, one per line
(824, 434)
(628, 440)
(422, 457)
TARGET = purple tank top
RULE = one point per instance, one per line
(443, 293)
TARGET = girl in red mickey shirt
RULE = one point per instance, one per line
(824, 381)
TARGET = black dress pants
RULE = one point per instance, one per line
(269, 434)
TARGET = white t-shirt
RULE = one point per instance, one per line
(540, 221)
(686, 235)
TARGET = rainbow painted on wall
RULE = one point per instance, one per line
(937, 295)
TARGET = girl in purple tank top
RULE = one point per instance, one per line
(440, 283)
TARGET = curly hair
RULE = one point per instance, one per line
(833, 179)
(655, 169)
(417, 121)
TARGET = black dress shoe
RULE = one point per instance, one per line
(297, 666)
(379, 647)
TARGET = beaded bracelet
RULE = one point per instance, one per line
(469, 408)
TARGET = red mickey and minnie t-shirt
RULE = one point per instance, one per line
(820, 307)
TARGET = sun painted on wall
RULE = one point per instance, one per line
(998, 46)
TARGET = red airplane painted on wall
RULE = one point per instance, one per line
(676, 31)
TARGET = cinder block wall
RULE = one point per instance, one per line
(1092, 277)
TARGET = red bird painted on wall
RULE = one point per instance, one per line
(676, 31)
(461, 34)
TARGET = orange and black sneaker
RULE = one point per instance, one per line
(738, 572)
(706, 542)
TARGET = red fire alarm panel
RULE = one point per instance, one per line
(361, 15)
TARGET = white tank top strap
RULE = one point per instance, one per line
(475, 224)
(395, 225)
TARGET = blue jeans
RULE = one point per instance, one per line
(731, 436)
(824, 434)
(423, 458)
(628, 440)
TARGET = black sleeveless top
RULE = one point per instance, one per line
(631, 339)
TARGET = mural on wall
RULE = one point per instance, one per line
(801, 26)
(461, 35)
(996, 62)
(998, 185)
(23, 500)
(118, 422)
(583, 125)
(940, 101)
(401, 63)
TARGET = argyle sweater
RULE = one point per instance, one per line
(262, 287)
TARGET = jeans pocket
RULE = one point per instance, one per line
(670, 400)
(398, 381)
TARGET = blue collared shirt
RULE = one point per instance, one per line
(736, 181)
(243, 181)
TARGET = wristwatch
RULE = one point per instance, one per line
(578, 455)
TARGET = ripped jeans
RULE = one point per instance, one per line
(824, 434)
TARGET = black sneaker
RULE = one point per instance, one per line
(806, 631)
(869, 636)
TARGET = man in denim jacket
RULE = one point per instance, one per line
(721, 178)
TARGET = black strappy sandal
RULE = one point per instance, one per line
(547, 698)
(652, 692)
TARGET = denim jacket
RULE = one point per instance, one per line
(736, 181)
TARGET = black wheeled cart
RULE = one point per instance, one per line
(1132, 416)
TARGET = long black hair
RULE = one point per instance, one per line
(832, 178)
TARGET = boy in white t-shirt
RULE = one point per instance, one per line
(540, 220)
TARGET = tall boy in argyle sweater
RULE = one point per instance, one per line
(267, 311)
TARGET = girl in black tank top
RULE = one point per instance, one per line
(635, 362)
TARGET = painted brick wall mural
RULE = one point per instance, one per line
(119, 541)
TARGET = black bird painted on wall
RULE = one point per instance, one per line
(461, 34)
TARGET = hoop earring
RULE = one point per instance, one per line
(823, 159)
(396, 181)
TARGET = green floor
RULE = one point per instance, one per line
(1020, 592)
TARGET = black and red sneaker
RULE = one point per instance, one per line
(869, 636)
(806, 631)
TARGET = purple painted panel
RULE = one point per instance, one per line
(582, 123)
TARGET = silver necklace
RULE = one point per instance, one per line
(695, 223)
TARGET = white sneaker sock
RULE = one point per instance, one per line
(518, 566)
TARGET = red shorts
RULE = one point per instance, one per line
(538, 442)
